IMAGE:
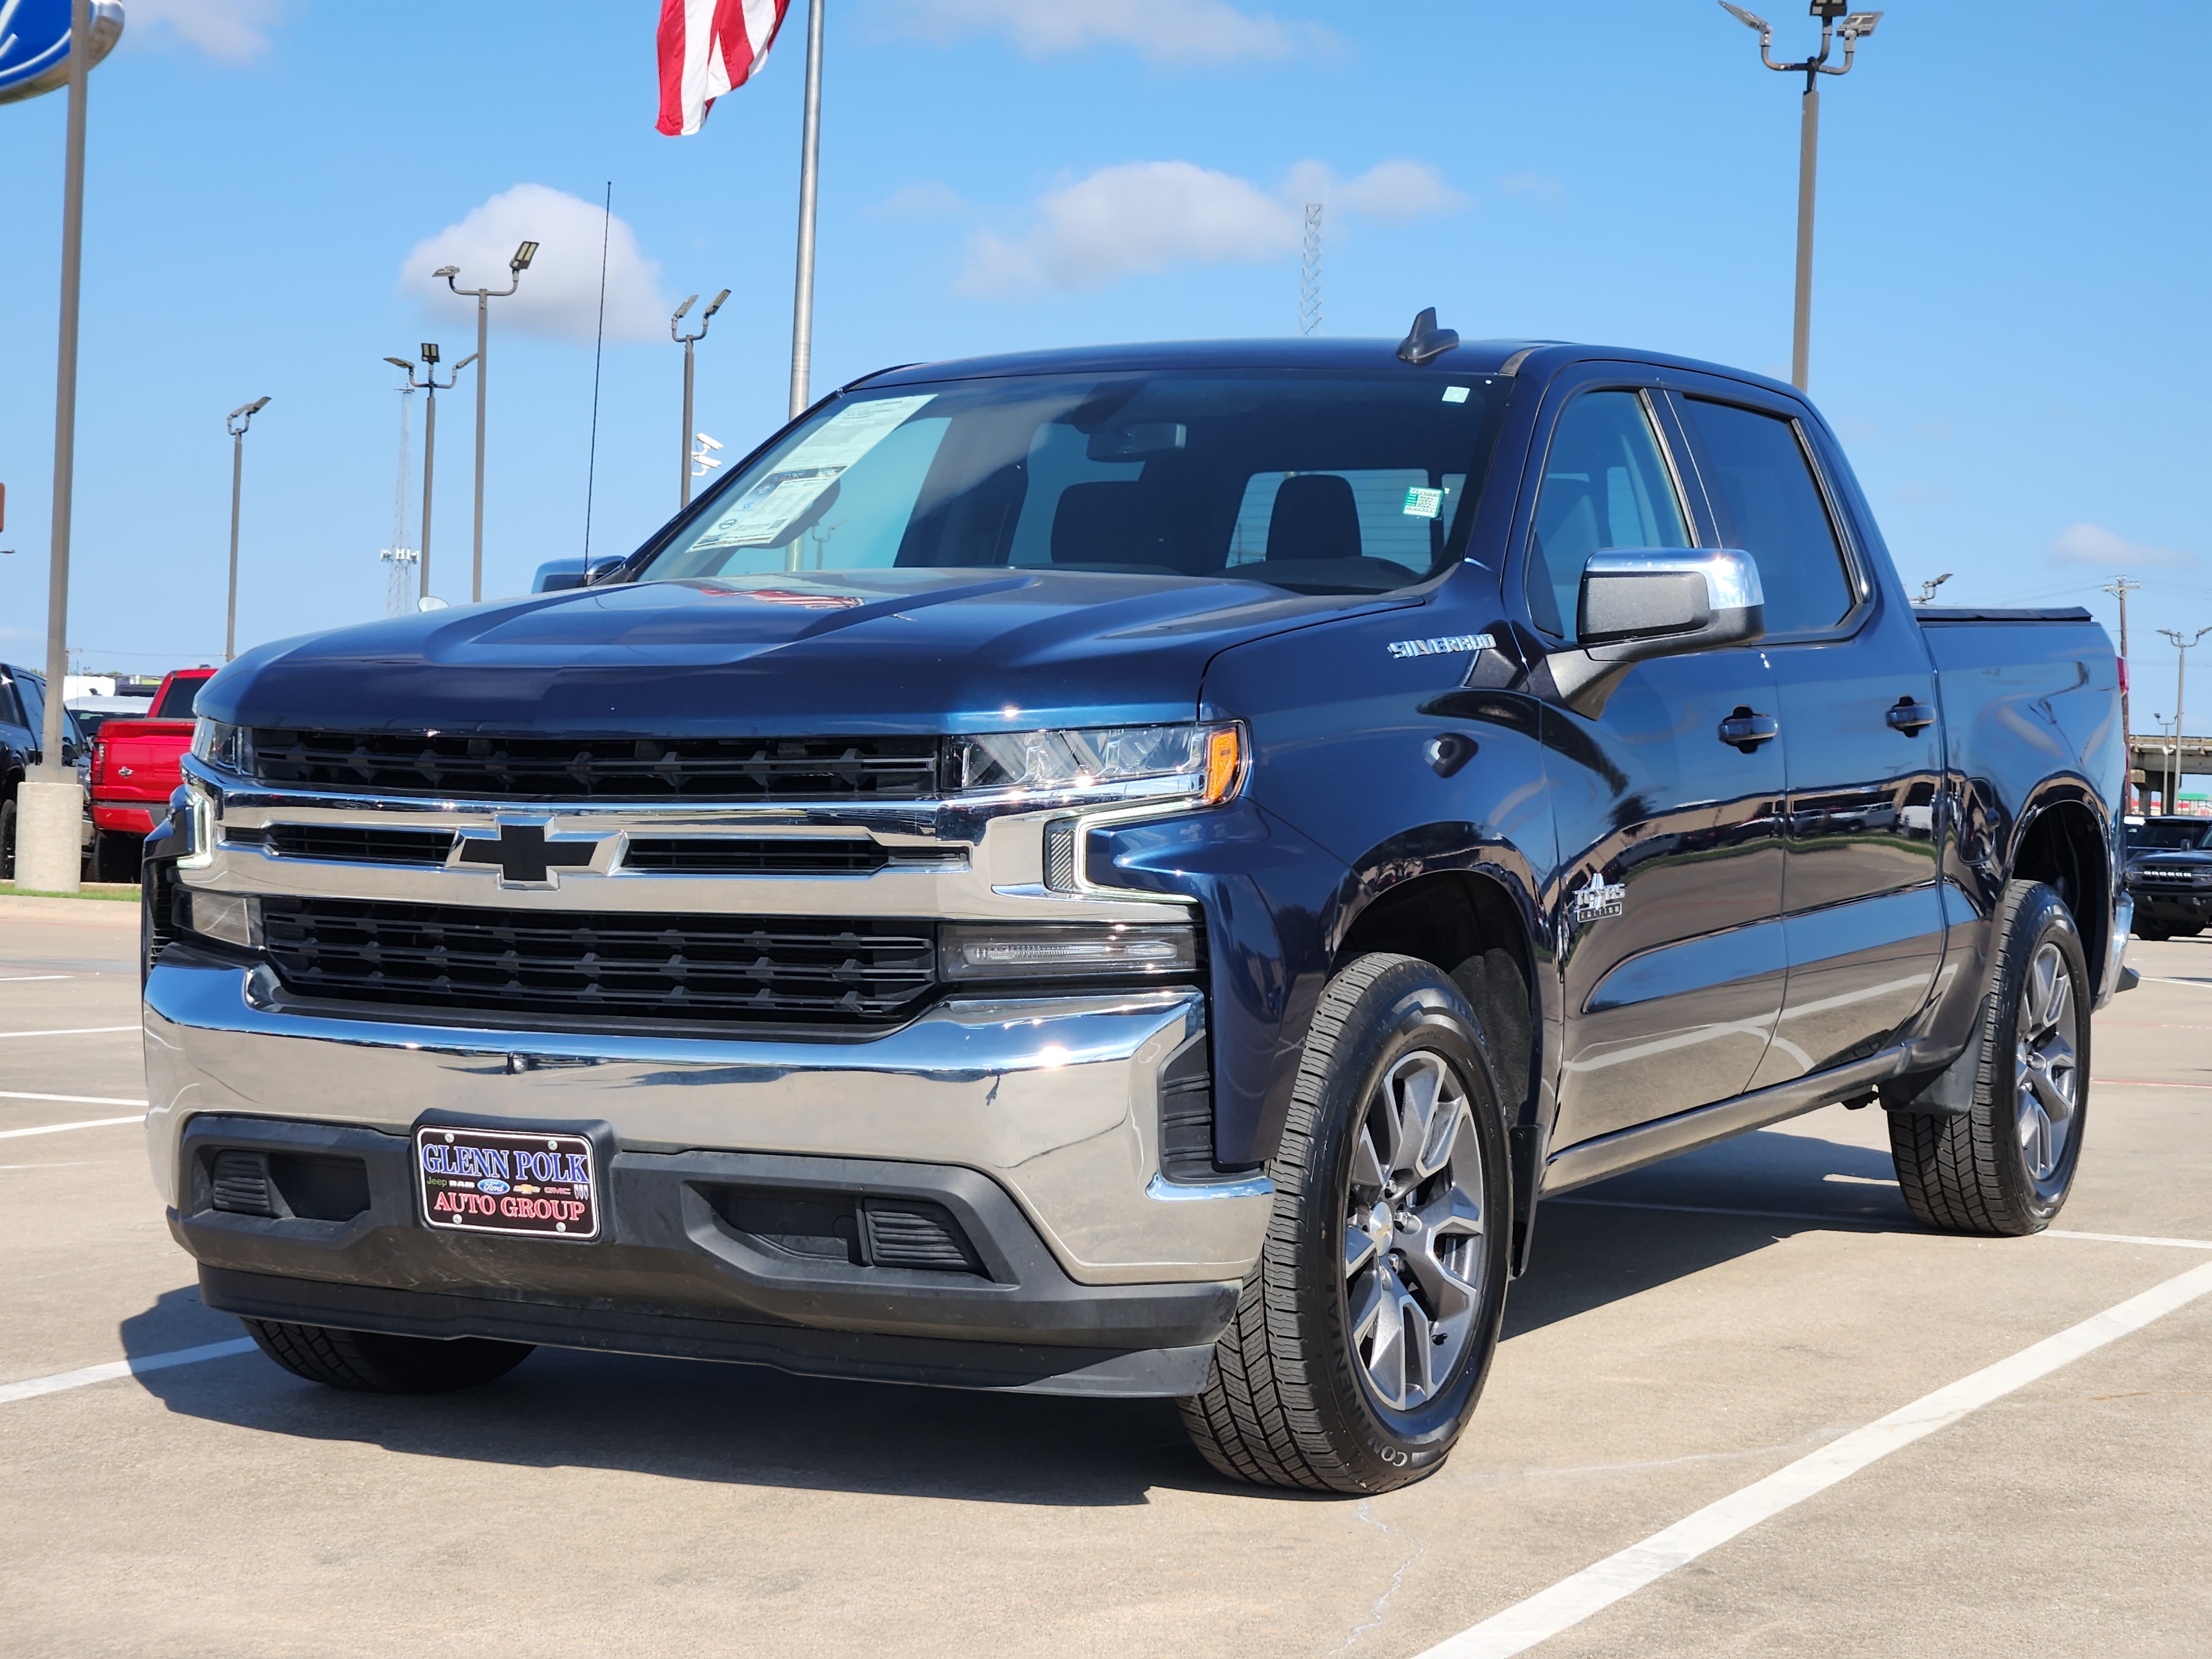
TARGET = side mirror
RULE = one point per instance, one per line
(1642, 603)
(558, 575)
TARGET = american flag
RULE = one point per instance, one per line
(708, 47)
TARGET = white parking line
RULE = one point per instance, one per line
(25, 979)
(1569, 1601)
(74, 1099)
(74, 1030)
(56, 1128)
(2194, 984)
(32, 1387)
(2132, 1238)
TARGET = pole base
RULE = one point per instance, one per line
(49, 835)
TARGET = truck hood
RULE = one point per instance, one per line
(887, 651)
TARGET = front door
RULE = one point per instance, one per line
(1668, 888)
(1862, 917)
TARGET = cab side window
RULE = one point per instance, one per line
(1762, 486)
(1605, 486)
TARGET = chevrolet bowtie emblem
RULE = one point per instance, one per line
(524, 855)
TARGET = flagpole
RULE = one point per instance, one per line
(802, 309)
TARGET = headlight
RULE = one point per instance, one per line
(229, 747)
(1207, 761)
(1068, 951)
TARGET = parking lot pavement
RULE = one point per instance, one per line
(1684, 1331)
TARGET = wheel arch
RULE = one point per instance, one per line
(2063, 839)
(1475, 921)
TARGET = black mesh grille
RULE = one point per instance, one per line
(806, 971)
(351, 844)
(456, 765)
(720, 855)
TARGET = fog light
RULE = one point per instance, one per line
(231, 917)
(1069, 950)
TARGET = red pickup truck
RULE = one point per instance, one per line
(134, 770)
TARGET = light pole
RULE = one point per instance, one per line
(429, 383)
(2181, 648)
(1855, 26)
(521, 262)
(235, 424)
(687, 340)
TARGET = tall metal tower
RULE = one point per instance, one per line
(1309, 274)
(399, 559)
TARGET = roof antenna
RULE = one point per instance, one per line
(1426, 340)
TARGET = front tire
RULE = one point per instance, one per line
(1365, 1333)
(2005, 1166)
(369, 1362)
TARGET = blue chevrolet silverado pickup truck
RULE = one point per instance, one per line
(1125, 872)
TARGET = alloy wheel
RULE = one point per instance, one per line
(1413, 1231)
(2046, 1072)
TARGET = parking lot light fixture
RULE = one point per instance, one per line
(687, 340)
(235, 423)
(516, 265)
(429, 383)
(1837, 23)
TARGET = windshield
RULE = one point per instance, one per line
(1347, 483)
(2171, 834)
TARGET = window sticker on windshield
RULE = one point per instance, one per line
(1423, 503)
(1456, 394)
(763, 512)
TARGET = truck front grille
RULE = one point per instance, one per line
(458, 766)
(349, 844)
(830, 972)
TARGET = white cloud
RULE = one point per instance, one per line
(2093, 545)
(928, 199)
(236, 31)
(1394, 192)
(559, 295)
(1183, 33)
(1146, 215)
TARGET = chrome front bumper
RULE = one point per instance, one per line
(1053, 1098)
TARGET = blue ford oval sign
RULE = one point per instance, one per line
(34, 42)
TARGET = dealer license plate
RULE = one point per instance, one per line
(536, 1183)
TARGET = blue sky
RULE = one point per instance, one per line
(2009, 326)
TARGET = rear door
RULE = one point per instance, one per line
(1668, 890)
(1862, 746)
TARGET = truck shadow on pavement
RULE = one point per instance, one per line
(746, 1425)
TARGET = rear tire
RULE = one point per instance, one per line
(8, 839)
(368, 1362)
(2005, 1166)
(1365, 1333)
(115, 855)
(2152, 931)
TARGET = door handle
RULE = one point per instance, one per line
(1747, 730)
(1909, 717)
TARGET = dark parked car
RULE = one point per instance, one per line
(1126, 871)
(22, 728)
(2170, 875)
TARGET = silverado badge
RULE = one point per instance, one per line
(1450, 646)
